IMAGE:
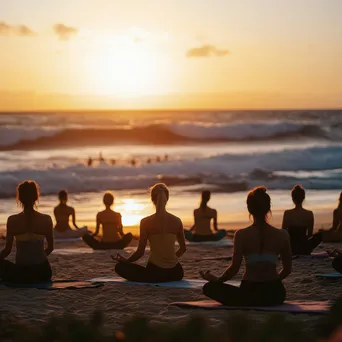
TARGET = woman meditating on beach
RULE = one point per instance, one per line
(62, 214)
(162, 230)
(299, 223)
(260, 244)
(29, 228)
(113, 236)
(201, 230)
(335, 233)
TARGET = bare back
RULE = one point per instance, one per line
(261, 243)
(62, 214)
(203, 217)
(298, 219)
(111, 223)
(29, 233)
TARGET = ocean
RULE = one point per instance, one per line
(228, 152)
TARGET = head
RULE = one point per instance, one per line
(205, 198)
(28, 194)
(259, 203)
(63, 196)
(298, 194)
(108, 199)
(159, 195)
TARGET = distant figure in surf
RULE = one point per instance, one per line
(149, 161)
(90, 161)
(62, 214)
(101, 159)
(162, 230)
(113, 162)
(299, 223)
(166, 157)
(113, 236)
(158, 160)
(29, 229)
(201, 230)
(133, 162)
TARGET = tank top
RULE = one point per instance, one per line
(30, 249)
(163, 252)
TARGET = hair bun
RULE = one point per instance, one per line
(260, 190)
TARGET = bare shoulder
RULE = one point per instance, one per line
(44, 217)
(174, 218)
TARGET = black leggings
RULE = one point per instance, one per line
(306, 247)
(149, 274)
(248, 294)
(217, 236)
(25, 274)
(337, 263)
(96, 244)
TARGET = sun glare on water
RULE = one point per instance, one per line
(132, 212)
(128, 70)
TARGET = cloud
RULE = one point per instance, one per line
(18, 30)
(65, 32)
(207, 51)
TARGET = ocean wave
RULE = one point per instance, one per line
(228, 172)
(171, 133)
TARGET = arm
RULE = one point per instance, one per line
(98, 223)
(181, 241)
(286, 257)
(234, 267)
(49, 237)
(285, 221)
(336, 221)
(142, 244)
(311, 224)
(120, 226)
(215, 220)
(74, 218)
(194, 225)
(9, 242)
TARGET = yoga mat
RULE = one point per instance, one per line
(316, 255)
(297, 307)
(57, 285)
(221, 243)
(77, 239)
(330, 275)
(183, 284)
(226, 257)
(88, 250)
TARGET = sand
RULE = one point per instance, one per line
(120, 302)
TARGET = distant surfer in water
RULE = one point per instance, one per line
(62, 214)
(201, 230)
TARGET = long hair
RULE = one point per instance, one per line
(159, 195)
(340, 201)
(259, 206)
(205, 199)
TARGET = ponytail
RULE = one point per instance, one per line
(205, 199)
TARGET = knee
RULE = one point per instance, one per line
(129, 236)
(119, 267)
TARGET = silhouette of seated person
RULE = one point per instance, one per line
(29, 229)
(299, 223)
(201, 230)
(113, 236)
(62, 215)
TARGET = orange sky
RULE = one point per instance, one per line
(171, 54)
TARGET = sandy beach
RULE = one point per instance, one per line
(121, 302)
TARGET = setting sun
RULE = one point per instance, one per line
(126, 69)
(132, 212)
